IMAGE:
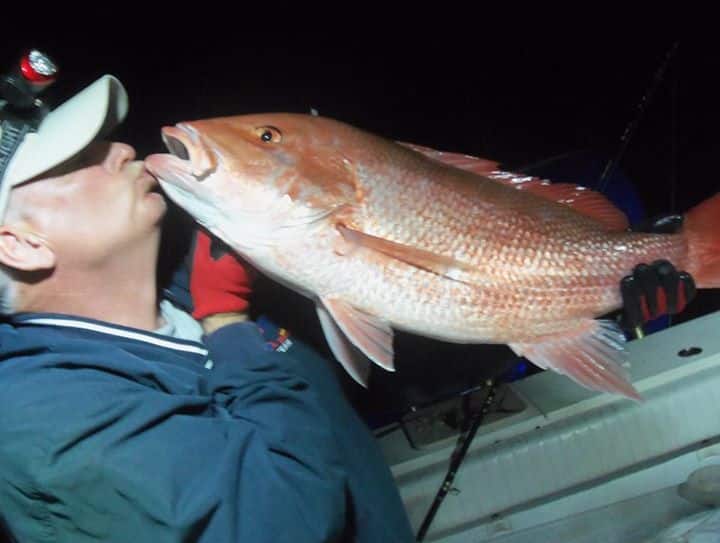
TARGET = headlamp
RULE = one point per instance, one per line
(20, 89)
(21, 109)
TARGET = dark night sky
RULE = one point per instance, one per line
(515, 95)
(512, 94)
(473, 83)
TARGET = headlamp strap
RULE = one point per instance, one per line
(12, 134)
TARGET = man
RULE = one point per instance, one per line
(122, 419)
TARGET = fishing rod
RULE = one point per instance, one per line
(635, 121)
(461, 448)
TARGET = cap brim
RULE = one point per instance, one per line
(67, 130)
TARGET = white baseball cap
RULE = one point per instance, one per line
(66, 131)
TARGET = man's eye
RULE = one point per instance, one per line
(92, 155)
(82, 161)
(269, 134)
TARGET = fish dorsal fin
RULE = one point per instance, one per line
(476, 165)
(426, 260)
(583, 200)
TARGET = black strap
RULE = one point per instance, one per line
(13, 133)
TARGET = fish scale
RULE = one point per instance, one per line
(390, 236)
(518, 261)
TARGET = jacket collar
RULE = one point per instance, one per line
(101, 327)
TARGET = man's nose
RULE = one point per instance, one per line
(118, 155)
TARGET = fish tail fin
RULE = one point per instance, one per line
(702, 230)
(591, 355)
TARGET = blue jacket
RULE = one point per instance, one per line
(112, 434)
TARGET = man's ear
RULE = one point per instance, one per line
(24, 250)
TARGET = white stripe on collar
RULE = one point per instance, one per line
(139, 336)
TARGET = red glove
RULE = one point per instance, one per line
(218, 283)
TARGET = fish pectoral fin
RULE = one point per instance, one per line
(426, 260)
(591, 355)
(370, 334)
(476, 165)
(352, 359)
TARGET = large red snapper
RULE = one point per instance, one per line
(386, 235)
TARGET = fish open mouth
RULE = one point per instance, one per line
(181, 170)
(188, 153)
(176, 147)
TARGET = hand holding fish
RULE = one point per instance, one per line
(384, 235)
(655, 290)
(658, 289)
(220, 284)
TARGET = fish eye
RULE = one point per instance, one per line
(269, 134)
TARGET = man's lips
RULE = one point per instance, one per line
(148, 183)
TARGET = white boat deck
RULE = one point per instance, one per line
(572, 465)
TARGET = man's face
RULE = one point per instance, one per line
(98, 206)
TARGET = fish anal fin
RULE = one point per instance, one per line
(583, 200)
(477, 165)
(353, 360)
(427, 260)
(370, 334)
(591, 354)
